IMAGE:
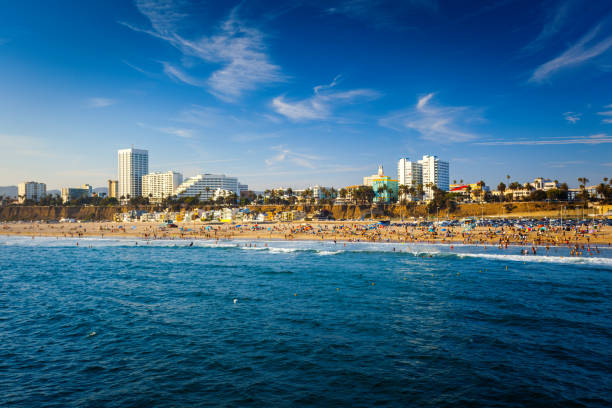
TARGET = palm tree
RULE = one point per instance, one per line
(501, 187)
(583, 181)
(403, 192)
(602, 190)
(380, 191)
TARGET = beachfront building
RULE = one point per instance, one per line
(75, 193)
(320, 192)
(435, 173)
(204, 186)
(409, 173)
(157, 186)
(369, 180)
(31, 190)
(113, 188)
(544, 184)
(385, 188)
(472, 191)
(133, 164)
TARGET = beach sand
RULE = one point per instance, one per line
(340, 231)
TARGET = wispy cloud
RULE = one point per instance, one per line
(382, 13)
(238, 48)
(606, 113)
(100, 102)
(181, 76)
(174, 131)
(600, 138)
(584, 50)
(565, 163)
(322, 103)
(554, 22)
(572, 117)
(286, 155)
(443, 124)
(20, 146)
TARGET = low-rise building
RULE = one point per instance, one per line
(75, 193)
(385, 188)
(113, 188)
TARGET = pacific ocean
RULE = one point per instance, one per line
(127, 323)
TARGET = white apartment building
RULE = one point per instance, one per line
(159, 185)
(409, 173)
(435, 171)
(133, 164)
(31, 190)
(204, 186)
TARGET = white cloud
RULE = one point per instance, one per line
(443, 124)
(572, 117)
(555, 21)
(179, 75)
(606, 113)
(286, 155)
(322, 103)
(424, 100)
(180, 132)
(583, 51)
(100, 102)
(239, 49)
(600, 138)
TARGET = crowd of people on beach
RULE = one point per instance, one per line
(579, 240)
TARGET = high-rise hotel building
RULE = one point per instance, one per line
(133, 164)
(435, 173)
(428, 171)
(158, 186)
(31, 190)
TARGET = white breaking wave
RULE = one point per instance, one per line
(324, 253)
(542, 258)
(317, 247)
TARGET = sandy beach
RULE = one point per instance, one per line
(347, 231)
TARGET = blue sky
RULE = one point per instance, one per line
(299, 93)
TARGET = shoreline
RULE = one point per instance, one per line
(345, 232)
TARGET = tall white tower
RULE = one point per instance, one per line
(409, 173)
(435, 172)
(133, 164)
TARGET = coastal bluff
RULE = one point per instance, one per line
(338, 212)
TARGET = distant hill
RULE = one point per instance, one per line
(101, 190)
(9, 191)
(54, 192)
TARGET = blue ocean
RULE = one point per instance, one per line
(129, 323)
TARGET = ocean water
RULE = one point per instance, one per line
(126, 323)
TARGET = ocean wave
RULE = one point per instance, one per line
(543, 258)
(314, 247)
